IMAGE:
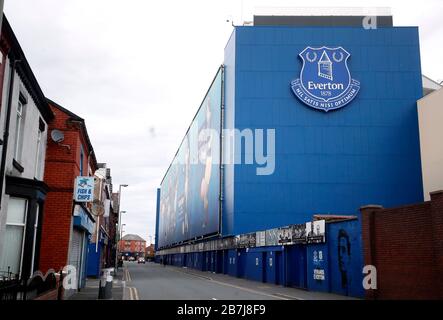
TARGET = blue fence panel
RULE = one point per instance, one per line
(317, 267)
(346, 258)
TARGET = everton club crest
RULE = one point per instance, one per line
(325, 82)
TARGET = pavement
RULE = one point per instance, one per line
(91, 289)
(153, 281)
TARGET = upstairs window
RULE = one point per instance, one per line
(82, 157)
(39, 154)
(19, 127)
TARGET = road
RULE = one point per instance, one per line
(152, 281)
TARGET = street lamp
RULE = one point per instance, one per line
(120, 226)
(121, 232)
(119, 204)
(119, 220)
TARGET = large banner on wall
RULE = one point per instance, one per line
(190, 190)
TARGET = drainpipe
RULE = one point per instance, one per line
(222, 165)
(13, 63)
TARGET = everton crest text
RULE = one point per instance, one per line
(325, 82)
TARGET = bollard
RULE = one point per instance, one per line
(105, 286)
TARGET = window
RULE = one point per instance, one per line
(82, 156)
(14, 236)
(19, 128)
(39, 154)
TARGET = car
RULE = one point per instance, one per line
(131, 259)
(141, 260)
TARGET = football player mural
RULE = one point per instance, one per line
(190, 190)
(205, 156)
(183, 201)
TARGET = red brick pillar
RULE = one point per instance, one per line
(437, 234)
(368, 236)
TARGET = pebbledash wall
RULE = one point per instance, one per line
(326, 162)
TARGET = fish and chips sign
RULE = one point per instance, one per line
(84, 189)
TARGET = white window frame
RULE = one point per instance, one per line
(38, 156)
(18, 129)
(24, 231)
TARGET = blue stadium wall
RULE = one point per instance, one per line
(292, 266)
(326, 163)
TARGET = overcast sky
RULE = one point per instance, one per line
(137, 71)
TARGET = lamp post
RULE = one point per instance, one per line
(119, 221)
(119, 204)
(121, 232)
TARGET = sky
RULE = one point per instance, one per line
(138, 70)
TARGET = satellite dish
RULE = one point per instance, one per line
(57, 136)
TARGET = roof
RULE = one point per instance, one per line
(323, 11)
(334, 218)
(132, 237)
(24, 70)
(429, 85)
(75, 117)
(433, 94)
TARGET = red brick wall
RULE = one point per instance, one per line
(405, 245)
(135, 246)
(56, 231)
(50, 295)
(61, 167)
(437, 232)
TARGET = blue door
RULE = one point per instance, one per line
(220, 261)
(241, 263)
(279, 268)
(296, 269)
(264, 263)
(270, 268)
(226, 261)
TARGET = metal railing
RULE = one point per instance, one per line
(14, 288)
(9, 285)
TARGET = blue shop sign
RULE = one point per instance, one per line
(325, 81)
(84, 189)
(82, 219)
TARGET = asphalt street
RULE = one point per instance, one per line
(152, 281)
